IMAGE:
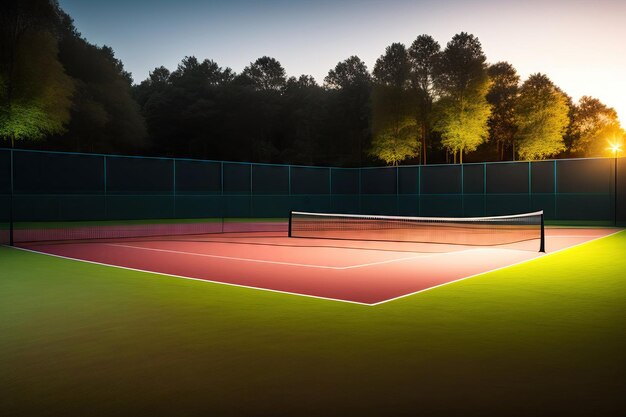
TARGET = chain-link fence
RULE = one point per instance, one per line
(50, 188)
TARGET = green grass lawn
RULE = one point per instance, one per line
(544, 338)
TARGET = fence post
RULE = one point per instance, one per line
(397, 190)
(174, 184)
(330, 190)
(555, 192)
(530, 185)
(462, 189)
(484, 188)
(251, 193)
(104, 187)
(11, 190)
(222, 198)
(419, 190)
(360, 193)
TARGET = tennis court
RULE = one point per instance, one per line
(351, 259)
(170, 286)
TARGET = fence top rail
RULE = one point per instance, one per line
(164, 158)
(494, 162)
(297, 165)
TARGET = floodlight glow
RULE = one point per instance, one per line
(615, 147)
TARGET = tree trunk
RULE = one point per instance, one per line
(461, 156)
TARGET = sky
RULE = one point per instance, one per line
(579, 44)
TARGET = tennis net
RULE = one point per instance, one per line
(478, 231)
(57, 232)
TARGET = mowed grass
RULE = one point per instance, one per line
(541, 338)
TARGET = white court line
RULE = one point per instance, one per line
(493, 270)
(262, 261)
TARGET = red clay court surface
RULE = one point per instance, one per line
(363, 272)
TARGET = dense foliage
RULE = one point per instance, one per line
(541, 118)
(419, 104)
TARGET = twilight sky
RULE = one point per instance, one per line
(579, 44)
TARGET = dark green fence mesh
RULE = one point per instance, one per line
(198, 189)
(441, 191)
(310, 188)
(51, 188)
(138, 188)
(379, 190)
(345, 190)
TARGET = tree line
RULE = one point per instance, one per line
(420, 103)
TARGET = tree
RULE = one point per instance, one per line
(186, 110)
(541, 118)
(349, 73)
(117, 64)
(35, 92)
(348, 87)
(423, 55)
(105, 117)
(502, 95)
(264, 74)
(396, 142)
(191, 73)
(463, 122)
(594, 126)
(160, 75)
(393, 68)
(303, 81)
(462, 83)
(305, 117)
(393, 122)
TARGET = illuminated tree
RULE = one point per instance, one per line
(502, 95)
(393, 123)
(394, 126)
(462, 112)
(541, 118)
(593, 126)
(35, 92)
(423, 55)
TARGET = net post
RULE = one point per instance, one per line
(542, 244)
(290, 216)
